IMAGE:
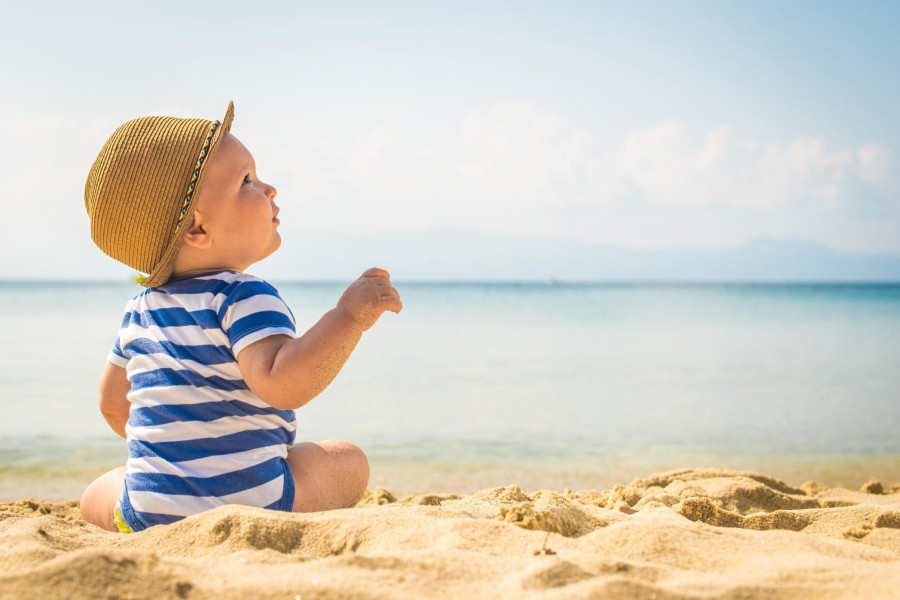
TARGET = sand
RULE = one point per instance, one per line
(694, 533)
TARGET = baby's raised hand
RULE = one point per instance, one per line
(369, 296)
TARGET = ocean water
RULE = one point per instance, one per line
(475, 385)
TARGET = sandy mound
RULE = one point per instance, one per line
(695, 533)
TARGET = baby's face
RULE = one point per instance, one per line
(238, 210)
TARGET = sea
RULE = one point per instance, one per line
(543, 385)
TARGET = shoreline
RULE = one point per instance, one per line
(411, 477)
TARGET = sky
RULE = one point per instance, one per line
(646, 125)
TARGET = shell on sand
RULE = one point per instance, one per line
(695, 533)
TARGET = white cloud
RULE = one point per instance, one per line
(549, 159)
(874, 161)
(384, 178)
(391, 163)
(44, 163)
(661, 163)
(507, 169)
(511, 168)
(518, 163)
(516, 168)
(515, 148)
(669, 165)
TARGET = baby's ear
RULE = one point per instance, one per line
(196, 235)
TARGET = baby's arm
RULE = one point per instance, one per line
(114, 387)
(289, 372)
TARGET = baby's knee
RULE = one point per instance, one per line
(356, 460)
(355, 466)
(92, 505)
(328, 474)
(99, 498)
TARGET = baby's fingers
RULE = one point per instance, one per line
(376, 272)
(390, 300)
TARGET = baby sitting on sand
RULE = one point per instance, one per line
(207, 369)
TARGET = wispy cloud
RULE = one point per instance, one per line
(515, 167)
(517, 153)
(508, 168)
(671, 165)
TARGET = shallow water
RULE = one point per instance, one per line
(479, 383)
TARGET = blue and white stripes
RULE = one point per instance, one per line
(198, 437)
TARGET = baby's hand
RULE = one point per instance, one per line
(369, 296)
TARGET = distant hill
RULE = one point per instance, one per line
(449, 254)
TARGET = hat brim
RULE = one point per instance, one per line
(163, 270)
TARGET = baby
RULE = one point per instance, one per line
(207, 370)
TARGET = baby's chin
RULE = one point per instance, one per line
(276, 242)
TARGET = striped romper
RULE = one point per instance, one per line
(198, 437)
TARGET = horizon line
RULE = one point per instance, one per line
(545, 282)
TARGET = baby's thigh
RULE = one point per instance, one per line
(327, 475)
(99, 499)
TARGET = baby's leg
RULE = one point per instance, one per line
(99, 499)
(329, 474)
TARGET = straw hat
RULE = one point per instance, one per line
(143, 186)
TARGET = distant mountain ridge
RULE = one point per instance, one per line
(452, 254)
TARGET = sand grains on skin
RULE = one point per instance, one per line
(694, 533)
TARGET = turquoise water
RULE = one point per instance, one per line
(479, 384)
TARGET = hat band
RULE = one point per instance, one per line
(196, 174)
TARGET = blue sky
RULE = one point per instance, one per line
(646, 124)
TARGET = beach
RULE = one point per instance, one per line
(640, 271)
(511, 430)
(687, 533)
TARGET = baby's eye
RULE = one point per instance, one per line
(246, 180)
